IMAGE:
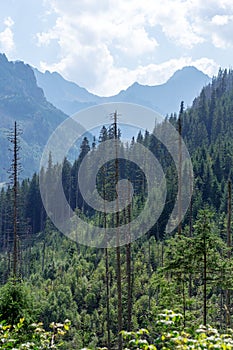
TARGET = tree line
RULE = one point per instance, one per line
(190, 272)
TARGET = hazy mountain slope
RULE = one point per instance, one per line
(184, 85)
(22, 100)
(64, 94)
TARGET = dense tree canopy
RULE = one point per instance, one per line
(189, 273)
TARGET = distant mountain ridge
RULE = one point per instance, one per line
(22, 99)
(64, 94)
(185, 84)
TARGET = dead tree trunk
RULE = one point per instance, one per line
(228, 319)
(118, 251)
(14, 138)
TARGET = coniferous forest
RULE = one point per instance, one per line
(161, 291)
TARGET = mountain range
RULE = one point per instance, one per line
(184, 85)
(21, 100)
(39, 102)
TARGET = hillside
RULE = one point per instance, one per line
(64, 94)
(23, 101)
(184, 85)
(158, 271)
(190, 272)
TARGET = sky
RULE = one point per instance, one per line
(107, 45)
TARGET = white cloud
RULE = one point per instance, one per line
(106, 46)
(158, 74)
(214, 19)
(220, 20)
(206, 65)
(175, 20)
(7, 37)
(120, 78)
(8, 22)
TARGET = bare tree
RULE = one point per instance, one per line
(15, 166)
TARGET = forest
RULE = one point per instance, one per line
(161, 291)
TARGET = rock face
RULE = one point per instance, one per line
(23, 101)
(18, 79)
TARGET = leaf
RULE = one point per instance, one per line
(66, 327)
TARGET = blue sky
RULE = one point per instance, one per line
(105, 46)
